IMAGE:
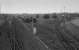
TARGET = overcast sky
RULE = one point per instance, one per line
(39, 6)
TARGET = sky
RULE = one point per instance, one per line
(38, 6)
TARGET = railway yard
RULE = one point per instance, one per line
(55, 31)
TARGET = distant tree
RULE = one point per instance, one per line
(46, 16)
(54, 16)
(28, 20)
(34, 20)
(37, 16)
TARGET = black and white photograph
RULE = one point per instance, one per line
(39, 24)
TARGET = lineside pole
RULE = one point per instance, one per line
(0, 8)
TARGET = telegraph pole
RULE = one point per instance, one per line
(0, 8)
